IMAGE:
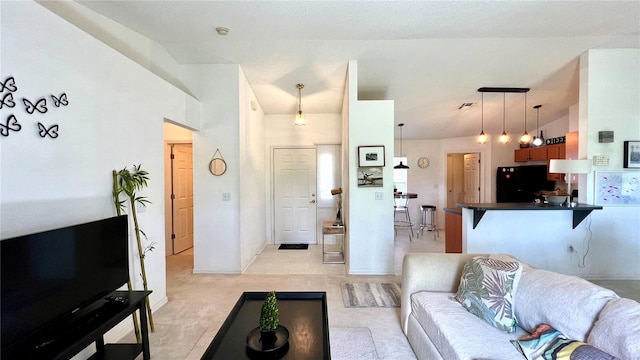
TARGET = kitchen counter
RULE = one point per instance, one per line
(580, 211)
(453, 210)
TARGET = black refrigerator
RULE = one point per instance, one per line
(521, 183)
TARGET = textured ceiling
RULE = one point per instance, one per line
(427, 56)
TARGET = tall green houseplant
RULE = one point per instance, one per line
(128, 183)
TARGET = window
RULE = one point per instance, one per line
(400, 175)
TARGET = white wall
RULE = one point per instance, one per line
(130, 43)
(370, 221)
(252, 212)
(610, 100)
(114, 119)
(216, 222)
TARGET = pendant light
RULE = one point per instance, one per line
(538, 141)
(300, 121)
(525, 139)
(482, 137)
(401, 165)
(504, 137)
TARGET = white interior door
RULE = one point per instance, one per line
(295, 196)
(472, 178)
(182, 196)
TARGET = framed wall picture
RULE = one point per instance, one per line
(370, 177)
(371, 156)
(632, 154)
(617, 188)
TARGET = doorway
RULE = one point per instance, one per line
(181, 197)
(463, 178)
(178, 189)
(294, 195)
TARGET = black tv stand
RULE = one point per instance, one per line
(64, 340)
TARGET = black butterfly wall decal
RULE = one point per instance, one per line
(11, 125)
(7, 100)
(8, 84)
(40, 105)
(60, 101)
(52, 131)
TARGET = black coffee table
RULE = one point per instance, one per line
(304, 314)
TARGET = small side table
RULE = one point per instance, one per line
(335, 255)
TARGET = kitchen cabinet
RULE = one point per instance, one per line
(453, 230)
(557, 151)
(531, 154)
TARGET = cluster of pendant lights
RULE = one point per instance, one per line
(525, 140)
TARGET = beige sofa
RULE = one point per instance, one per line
(438, 327)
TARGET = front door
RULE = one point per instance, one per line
(472, 178)
(294, 186)
(182, 196)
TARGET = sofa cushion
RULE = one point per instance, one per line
(617, 330)
(547, 343)
(569, 303)
(486, 290)
(456, 333)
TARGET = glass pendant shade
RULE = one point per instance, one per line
(482, 138)
(300, 121)
(504, 138)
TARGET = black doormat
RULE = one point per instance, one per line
(293, 247)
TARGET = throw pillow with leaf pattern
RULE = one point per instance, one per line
(487, 289)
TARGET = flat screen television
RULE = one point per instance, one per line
(53, 274)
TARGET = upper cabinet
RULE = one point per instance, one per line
(531, 154)
(557, 151)
(568, 150)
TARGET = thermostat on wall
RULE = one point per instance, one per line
(601, 160)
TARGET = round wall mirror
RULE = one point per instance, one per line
(217, 166)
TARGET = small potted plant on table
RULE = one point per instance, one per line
(269, 320)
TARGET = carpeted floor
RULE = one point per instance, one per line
(352, 344)
(370, 294)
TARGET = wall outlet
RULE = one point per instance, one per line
(379, 195)
(570, 249)
(226, 196)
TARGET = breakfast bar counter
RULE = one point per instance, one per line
(536, 233)
(580, 211)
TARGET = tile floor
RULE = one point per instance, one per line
(199, 303)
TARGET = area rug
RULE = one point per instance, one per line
(293, 247)
(352, 344)
(370, 294)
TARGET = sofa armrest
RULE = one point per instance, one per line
(429, 272)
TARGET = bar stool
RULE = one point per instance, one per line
(400, 207)
(428, 220)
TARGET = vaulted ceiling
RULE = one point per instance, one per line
(430, 57)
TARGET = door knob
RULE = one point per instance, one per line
(312, 201)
